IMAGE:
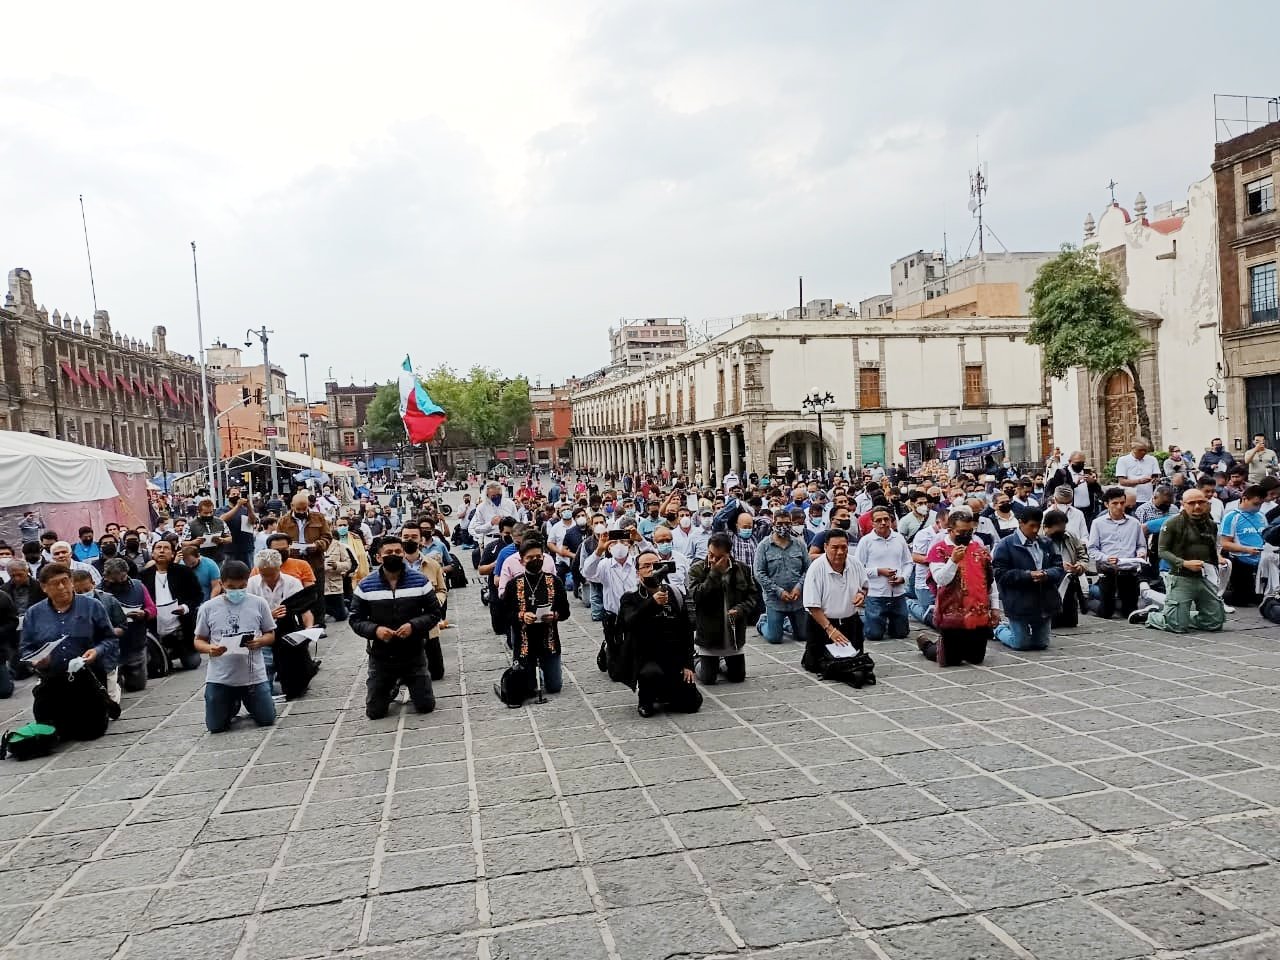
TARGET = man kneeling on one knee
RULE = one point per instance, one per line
(657, 647)
(394, 609)
(1189, 544)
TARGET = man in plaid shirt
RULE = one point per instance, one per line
(744, 540)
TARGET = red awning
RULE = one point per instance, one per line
(522, 454)
(168, 391)
(502, 455)
(104, 378)
(137, 385)
(125, 385)
(89, 379)
(70, 371)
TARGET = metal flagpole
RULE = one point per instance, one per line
(204, 384)
(89, 254)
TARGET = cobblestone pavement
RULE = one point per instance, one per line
(1110, 798)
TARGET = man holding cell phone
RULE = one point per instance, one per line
(233, 628)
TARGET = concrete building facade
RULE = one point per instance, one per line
(1245, 170)
(640, 342)
(1166, 261)
(901, 389)
(85, 383)
(246, 426)
(551, 424)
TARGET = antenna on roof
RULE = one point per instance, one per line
(978, 187)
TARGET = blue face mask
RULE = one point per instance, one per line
(746, 534)
(664, 549)
(496, 500)
(236, 595)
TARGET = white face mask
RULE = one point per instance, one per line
(580, 521)
(686, 523)
(923, 511)
(797, 529)
(619, 551)
(599, 528)
(706, 523)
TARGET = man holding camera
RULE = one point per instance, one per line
(725, 599)
(657, 641)
(610, 566)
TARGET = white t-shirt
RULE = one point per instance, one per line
(285, 588)
(166, 614)
(221, 618)
(1130, 467)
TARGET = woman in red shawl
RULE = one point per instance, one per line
(960, 573)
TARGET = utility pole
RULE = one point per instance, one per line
(210, 440)
(306, 402)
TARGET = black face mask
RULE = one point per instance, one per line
(394, 564)
(534, 566)
(410, 546)
(131, 545)
(842, 524)
(1077, 467)
(506, 538)
(113, 587)
(109, 549)
(963, 539)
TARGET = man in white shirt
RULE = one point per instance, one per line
(484, 521)
(921, 605)
(835, 589)
(60, 552)
(1136, 471)
(886, 558)
(612, 566)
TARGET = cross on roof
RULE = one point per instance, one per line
(1112, 187)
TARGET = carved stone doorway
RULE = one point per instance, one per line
(1119, 413)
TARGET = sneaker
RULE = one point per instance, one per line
(1228, 609)
(1140, 615)
(646, 710)
(922, 642)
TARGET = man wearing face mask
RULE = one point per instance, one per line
(483, 524)
(488, 568)
(841, 519)
(138, 607)
(610, 566)
(1216, 458)
(85, 549)
(394, 609)
(535, 603)
(1241, 541)
(109, 549)
(780, 565)
(724, 595)
(664, 546)
(338, 562)
(561, 554)
(233, 629)
(658, 648)
(650, 522)
(413, 559)
(918, 516)
(592, 593)
(310, 537)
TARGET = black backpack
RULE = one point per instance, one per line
(857, 671)
(29, 742)
(512, 687)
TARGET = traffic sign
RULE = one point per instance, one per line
(270, 432)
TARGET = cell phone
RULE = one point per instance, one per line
(614, 535)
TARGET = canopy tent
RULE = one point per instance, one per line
(290, 460)
(978, 449)
(68, 485)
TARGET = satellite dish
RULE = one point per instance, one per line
(973, 204)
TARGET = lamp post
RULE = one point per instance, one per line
(1212, 397)
(51, 384)
(306, 402)
(263, 334)
(815, 403)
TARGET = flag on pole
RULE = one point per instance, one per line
(421, 416)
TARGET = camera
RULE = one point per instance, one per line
(662, 570)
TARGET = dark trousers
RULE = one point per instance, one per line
(954, 647)
(735, 668)
(667, 688)
(1069, 615)
(74, 706)
(435, 658)
(386, 675)
(336, 606)
(1240, 588)
(1121, 585)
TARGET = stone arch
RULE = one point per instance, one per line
(802, 433)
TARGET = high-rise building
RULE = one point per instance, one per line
(639, 343)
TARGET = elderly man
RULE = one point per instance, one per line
(63, 632)
(1077, 522)
(234, 629)
(60, 552)
(835, 589)
(177, 596)
(1161, 504)
(1189, 544)
(664, 545)
(483, 524)
(290, 610)
(1137, 471)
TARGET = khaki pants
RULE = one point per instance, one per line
(1184, 594)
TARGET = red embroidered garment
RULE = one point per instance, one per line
(965, 602)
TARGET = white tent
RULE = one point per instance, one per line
(291, 460)
(36, 469)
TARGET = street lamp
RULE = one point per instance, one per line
(815, 403)
(306, 402)
(263, 334)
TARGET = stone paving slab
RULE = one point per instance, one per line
(1113, 797)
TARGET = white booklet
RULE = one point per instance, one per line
(236, 643)
(44, 652)
(302, 636)
(842, 651)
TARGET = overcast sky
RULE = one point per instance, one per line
(498, 183)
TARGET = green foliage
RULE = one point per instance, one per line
(1079, 317)
(382, 424)
(487, 406)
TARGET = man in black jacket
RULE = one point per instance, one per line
(177, 595)
(657, 643)
(394, 609)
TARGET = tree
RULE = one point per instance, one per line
(1079, 319)
(382, 424)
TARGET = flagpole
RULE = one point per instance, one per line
(204, 383)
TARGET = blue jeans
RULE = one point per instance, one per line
(222, 703)
(774, 619)
(918, 604)
(1025, 634)
(597, 602)
(885, 612)
(552, 675)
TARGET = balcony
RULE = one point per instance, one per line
(718, 409)
(1262, 316)
(659, 422)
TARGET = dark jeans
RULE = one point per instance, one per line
(885, 616)
(735, 668)
(386, 675)
(658, 687)
(74, 706)
(1240, 588)
(1117, 584)
(954, 647)
(335, 606)
(222, 703)
(1069, 615)
(435, 658)
(6, 680)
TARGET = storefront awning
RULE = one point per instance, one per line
(125, 385)
(979, 449)
(70, 371)
(89, 379)
(168, 392)
(104, 378)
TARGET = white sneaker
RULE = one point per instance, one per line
(1228, 609)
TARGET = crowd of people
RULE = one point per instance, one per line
(677, 570)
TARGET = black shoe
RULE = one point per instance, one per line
(1140, 615)
(647, 710)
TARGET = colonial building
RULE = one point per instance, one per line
(1166, 262)
(550, 425)
(347, 408)
(901, 390)
(1245, 169)
(83, 382)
